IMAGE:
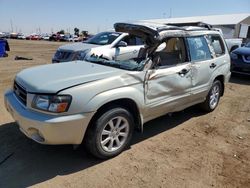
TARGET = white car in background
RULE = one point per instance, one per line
(70, 38)
(108, 45)
(233, 43)
(45, 36)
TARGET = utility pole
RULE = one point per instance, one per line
(170, 13)
(164, 15)
(11, 25)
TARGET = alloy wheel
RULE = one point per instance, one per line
(114, 134)
(214, 96)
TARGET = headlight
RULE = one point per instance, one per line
(52, 103)
(234, 56)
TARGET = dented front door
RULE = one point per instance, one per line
(167, 88)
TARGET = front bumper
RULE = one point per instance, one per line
(240, 67)
(44, 128)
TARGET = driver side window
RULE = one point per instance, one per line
(132, 40)
(172, 52)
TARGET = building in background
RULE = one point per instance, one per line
(232, 25)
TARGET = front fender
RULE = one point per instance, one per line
(91, 96)
(133, 93)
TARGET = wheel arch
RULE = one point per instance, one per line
(233, 48)
(126, 103)
(221, 78)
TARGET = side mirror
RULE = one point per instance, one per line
(122, 44)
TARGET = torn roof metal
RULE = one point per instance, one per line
(149, 31)
(154, 33)
(228, 19)
(146, 27)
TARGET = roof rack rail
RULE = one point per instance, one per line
(195, 24)
(170, 27)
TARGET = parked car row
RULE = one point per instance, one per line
(33, 37)
(66, 38)
(50, 37)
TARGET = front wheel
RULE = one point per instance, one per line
(213, 97)
(110, 134)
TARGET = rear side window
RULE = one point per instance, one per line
(216, 44)
(198, 48)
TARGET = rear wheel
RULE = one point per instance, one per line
(110, 134)
(213, 97)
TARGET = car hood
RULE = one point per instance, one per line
(242, 51)
(78, 46)
(53, 78)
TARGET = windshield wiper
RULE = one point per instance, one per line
(103, 61)
(96, 59)
(99, 61)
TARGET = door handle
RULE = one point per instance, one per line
(183, 72)
(213, 65)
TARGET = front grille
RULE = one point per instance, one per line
(62, 55)
(20, 93)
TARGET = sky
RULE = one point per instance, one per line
(48, 16)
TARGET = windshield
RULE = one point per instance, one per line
(131, 64)
(103, 38)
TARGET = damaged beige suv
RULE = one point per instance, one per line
(100, 102)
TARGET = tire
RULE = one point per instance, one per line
(110, 134)
(213, 97)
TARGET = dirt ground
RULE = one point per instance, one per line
(187, 149)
